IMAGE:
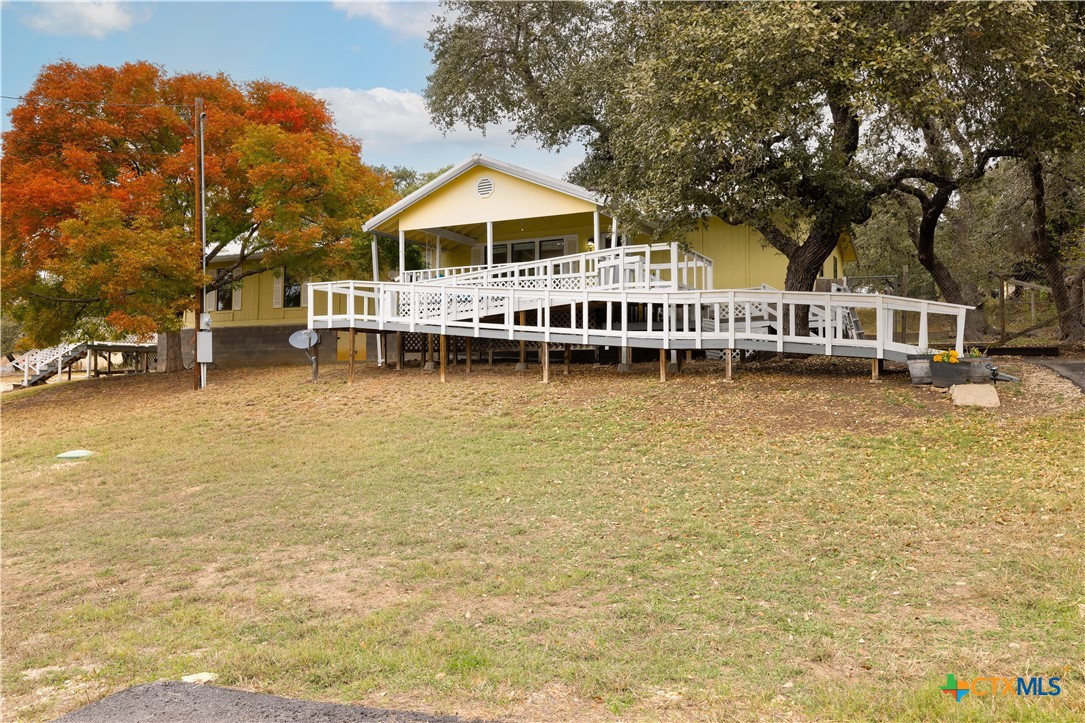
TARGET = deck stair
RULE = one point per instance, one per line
(38, 365)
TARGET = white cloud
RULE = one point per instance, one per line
(395, 129)
(390, 120)
(95, 18)
(407, 19)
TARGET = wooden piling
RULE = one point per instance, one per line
(467, 355)
(444, 358)
(662, 365)
(727, 356)
(568, 358)
(399, 350)
(544, 357)
(523, 345)
(350, 359)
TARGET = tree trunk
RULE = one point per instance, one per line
(174, 362)
(1070, 326)
(805, 263)
(975, 324)
(1076, 288)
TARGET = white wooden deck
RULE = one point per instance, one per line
(670, 289)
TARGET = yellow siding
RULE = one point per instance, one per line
(458, 204)
(256, 306)
(740, 258)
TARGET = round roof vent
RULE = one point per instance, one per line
(485, 187)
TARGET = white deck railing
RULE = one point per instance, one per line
(722, 319)
(655, 266)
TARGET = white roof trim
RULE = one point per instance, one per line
(556, 184)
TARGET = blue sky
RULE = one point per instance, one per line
(368, 59)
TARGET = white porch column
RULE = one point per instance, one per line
(376, 278)
(402, 253)
(489, 244)
(437, 261)
(595, 229)
(373, 251)
(614, 232)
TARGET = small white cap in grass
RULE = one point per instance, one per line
(75, 454)
(199, 678)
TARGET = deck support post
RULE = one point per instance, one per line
(490, 354)
(877, 366)
(444, 358)
(521, 366)
(662, 365)
(454, 351)
(467, 355)
(399, 351)
(568, 358)
(625, 358)
(350, 359)
(427, 354)
(689, 356)
(727, 356)
(544, 357)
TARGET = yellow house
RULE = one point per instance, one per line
(480, 213)
(487, 212)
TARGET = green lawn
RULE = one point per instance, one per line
(801, 544)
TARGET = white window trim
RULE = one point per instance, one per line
(278, 288)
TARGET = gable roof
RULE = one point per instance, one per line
(540, 179)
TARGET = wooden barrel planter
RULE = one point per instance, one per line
(946, 374)
(979, 368)
(919, 367)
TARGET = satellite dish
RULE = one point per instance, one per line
(304, 339)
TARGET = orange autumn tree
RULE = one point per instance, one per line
(98, 196)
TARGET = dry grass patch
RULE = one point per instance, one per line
(801, 544)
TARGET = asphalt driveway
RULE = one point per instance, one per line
(177, 702)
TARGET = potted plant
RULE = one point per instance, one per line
(947, 370)
(979, 365)
(919, 366)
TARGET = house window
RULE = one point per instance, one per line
(530, 250)
(291, 292)
(224, 297)
(551, 248)
(523, 251)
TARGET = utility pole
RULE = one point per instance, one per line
(200, 223)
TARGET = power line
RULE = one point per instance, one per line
(96, 102)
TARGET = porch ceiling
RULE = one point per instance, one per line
(476, 232)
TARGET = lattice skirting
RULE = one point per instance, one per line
(413, 344)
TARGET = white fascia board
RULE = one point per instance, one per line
(556, 184)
